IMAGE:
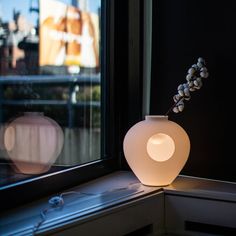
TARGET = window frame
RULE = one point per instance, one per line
(121, 65)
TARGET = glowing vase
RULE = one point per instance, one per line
(156, 150)
(33, 142)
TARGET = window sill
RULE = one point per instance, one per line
(103, 196)
(100, 194)
(202, 188)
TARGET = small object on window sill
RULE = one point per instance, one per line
(56, 201)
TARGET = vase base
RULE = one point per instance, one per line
(30, 168)
(155, 185)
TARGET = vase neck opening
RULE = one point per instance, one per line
(34, 113)
(156, 117)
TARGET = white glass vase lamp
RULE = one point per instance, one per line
(156, 150)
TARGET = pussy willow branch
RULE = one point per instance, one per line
(170, 109)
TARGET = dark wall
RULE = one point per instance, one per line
(183, 30)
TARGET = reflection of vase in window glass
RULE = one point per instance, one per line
(33, 142)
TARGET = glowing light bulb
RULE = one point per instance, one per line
(160, 147)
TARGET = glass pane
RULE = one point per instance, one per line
(50, 86)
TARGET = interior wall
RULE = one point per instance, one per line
(184, 30)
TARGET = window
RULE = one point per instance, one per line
(91, 98)
(52, 64)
